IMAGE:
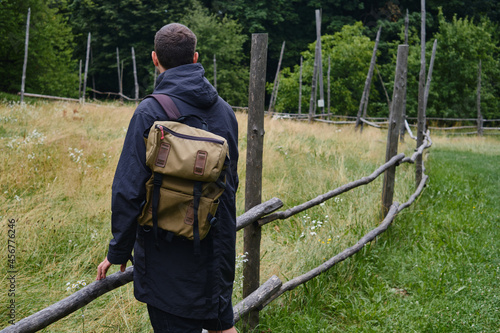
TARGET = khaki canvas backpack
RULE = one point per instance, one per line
(188, 166)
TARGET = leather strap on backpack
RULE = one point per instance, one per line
(167, 104)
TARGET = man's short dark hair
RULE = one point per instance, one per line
(175, 45)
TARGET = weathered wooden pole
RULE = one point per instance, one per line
(86, 69)
(328, 84)
(372, 66)
(429, 76)
(80, 81)
(394, 126)
(136, 84)
(25, 64)
(421, 99)
(300, 85)
(363, 105)
(313, 85)
(119, 74)
(253, 183)
(321, 101)
(215, 72)
(274, 93)
(403, 127)
(479, 116)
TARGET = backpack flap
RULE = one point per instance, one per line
(186, 152)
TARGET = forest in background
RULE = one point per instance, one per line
(467, 31)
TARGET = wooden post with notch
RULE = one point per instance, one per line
(394, 126)
(421, 100)
(253, 183)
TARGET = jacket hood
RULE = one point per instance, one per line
(187, 83)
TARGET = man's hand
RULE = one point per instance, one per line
(103, 267)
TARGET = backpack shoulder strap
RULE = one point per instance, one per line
(167, 104)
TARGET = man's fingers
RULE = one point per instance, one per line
(122, 267)
(102, 269)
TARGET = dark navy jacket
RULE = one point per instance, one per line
(170, 277)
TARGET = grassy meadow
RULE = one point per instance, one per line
(57, 165)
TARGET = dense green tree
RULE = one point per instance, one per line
(222, 37)
(461, 44)
(350, 53)
(50, 69)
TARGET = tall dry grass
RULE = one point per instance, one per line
(57, 165)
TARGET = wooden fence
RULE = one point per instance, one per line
(257, 217)
(261, 214)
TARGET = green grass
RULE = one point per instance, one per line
(437, 269)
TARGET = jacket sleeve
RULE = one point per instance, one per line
(128, 191)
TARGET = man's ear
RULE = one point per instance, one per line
(195, 58)
(155, 58)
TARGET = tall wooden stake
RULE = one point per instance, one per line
(253, 184)
(300, 85)
(312, 104)
(421, 100)
(479, 116)
(403, 127)
(119, 74)
(80, 81)
(429, 75)
(394, 125)
(86, 69)
(274, 94)
(25, 64)
(363, 105)
(136, 84)
(328, 83)
(321, 102)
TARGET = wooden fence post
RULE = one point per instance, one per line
(312, 104)
(86, 69)
(421, 99)
(321, 101)
(479, 116)
(119, 74)
(363, 105)
(404, 122)
(136, 84)
(274, 93)
(328, 85)
(394, 126)
(25, 64)
(300, 85)
(253, 183)
(429, 75)
(80, 81)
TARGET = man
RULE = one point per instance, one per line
(184, 292)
